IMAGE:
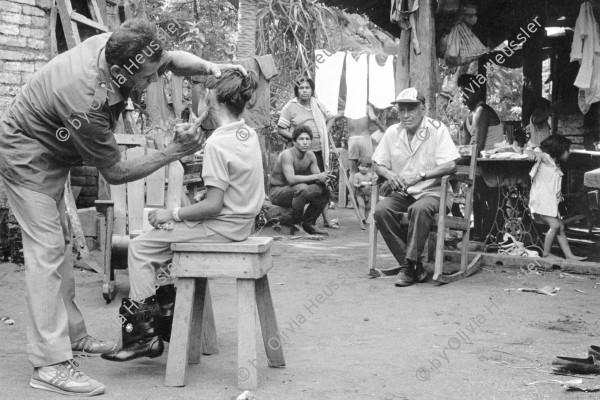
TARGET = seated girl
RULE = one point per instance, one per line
(233, 173)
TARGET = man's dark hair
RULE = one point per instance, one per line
(302, 80)
(134, 37)
(233, 89)
(366, 161)
(301, 129)
(555, 145)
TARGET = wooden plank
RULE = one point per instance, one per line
(177, 95)
(177, 360)
(252, 245)
(348, 185)
(424, 67)
(118, 193)
(268, 324)
(95, 12)
(175, 185)
(342, 191)
(135, 195)
(89, 221)
(247, 373)
(86, 261)
(209, 328)
(155, 186)
(195, 346)
(53, 43)
(372, 257)
(222, 265)
(75, 16)
(69, 26)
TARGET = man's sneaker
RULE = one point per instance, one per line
(88, 346)
(65, 378)
(406, 276)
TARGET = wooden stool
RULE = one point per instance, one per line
(249, 262)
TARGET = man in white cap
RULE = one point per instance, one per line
(413, 156)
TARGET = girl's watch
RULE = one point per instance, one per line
(423, 175)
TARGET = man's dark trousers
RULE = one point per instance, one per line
(297, 196)
(388, 214)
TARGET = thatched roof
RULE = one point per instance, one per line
(498, 19)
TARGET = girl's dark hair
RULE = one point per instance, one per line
(134, 37)
(301, 129)
(302, 80)
(233, 89)
(555, 145)
(465, 80)
(366, 161)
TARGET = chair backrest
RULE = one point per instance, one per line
(131, 198)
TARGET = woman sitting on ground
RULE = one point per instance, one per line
(233, 173)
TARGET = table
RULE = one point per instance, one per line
(591, 179)
(511, 177)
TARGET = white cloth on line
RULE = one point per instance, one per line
(586, 50)
(328, 75)
(381, 82)
(356, 84)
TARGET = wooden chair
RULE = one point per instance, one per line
(248, 262)
(124, 216)
(465, 175)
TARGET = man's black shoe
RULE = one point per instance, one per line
(295, 229)
(421, 274)
(313, 230)
(406, 276)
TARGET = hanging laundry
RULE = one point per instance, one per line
(356, 82)
(328, 73)
(381, 82)
(586, 50)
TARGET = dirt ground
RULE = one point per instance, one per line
(346, 336)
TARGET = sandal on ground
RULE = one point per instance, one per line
(332, 225)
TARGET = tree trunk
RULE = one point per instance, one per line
(246, 45)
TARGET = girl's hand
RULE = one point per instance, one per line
(160, 216)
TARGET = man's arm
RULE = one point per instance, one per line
(447, 168)
(287, 164)
(285, 133)
(210, 206)
(373, 117)
(187, 140)
(481, 119)
(183, 63)
(387, 174)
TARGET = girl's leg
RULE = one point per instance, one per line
(361, 207)
(554, 224)
(564, 244)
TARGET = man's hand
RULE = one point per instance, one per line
(395, 182)
(159, 217)
(188, 136)
(322, 177)
(215, 69)
(410, 180)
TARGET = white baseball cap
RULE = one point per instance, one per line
(410, 95)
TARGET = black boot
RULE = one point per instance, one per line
(165, 296)
(138, 327)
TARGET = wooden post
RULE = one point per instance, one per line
(423, 67)
(403, 63)
(342, 192)
(532, 69)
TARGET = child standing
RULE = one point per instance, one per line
(362, 181)
(545, 194)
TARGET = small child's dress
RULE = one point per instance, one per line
(546, 181)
